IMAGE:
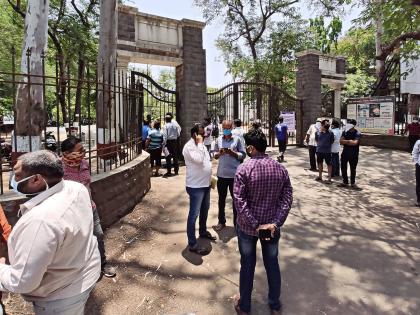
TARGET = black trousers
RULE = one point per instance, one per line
(172, 158)
(352, 161)
(412, 139)
(418, 182)
(222, 188)
(312, 156)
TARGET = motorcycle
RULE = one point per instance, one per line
(50, 143)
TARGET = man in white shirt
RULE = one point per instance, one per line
(208, 131)
(416, 160)
(311, 142)
(335, 148)
(54, 257)
(238, 131)
(197, 161)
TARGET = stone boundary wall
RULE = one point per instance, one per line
(385, 142)
(115, 193)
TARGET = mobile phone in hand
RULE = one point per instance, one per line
(264, 233)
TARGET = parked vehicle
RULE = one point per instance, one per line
(50, 143)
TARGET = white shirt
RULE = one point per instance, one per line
(240, 134)
(209, 138)
(52, 251)
(197, 161)
(335, 148)
(311, 132)
(177, 126)
(416, 152)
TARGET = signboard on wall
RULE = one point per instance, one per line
(373, 114)
(289, 119)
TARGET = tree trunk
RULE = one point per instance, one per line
(106, 64)
(79, 90)
(30, 114)
(380, 64)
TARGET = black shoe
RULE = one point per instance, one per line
(198, 250)
(168, 174)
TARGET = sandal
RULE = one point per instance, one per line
(208, 235)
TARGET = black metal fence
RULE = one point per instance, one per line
(254, 102)
(70, 105)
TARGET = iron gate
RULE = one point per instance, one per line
(157, 100)
(250, 101)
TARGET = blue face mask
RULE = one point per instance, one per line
(227, 132)
(15, 185)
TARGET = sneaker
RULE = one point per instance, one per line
(109, 271)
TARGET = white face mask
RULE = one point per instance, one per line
(415, 121)
(349, 126)
(15, 185)
(318, 125)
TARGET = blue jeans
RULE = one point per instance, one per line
(335, 164)
(199, 205)
(248, 251)
(71, 306)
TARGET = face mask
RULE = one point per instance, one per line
(415, 121)
(15, 185)
(349, 126)
(227, 132)
(318, 125)
(73, 159)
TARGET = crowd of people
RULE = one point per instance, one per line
(324, 140)
(56, 251)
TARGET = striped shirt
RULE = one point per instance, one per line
(156, 139)
(262, 193)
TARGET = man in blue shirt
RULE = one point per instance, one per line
(230, 153)
(324, 138)
(281, 133)
(145, 133)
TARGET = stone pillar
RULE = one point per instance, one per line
(191, 79)
(337, 103)
(308, 88)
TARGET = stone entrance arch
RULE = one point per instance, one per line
(156, 40)
(315, 69)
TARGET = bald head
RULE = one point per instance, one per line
(227, 124)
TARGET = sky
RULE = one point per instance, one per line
(179, 9)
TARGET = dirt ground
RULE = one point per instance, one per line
(341, 251)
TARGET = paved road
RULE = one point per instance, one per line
(342, 252)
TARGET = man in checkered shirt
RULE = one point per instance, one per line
(263, 196)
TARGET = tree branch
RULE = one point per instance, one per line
(81, 15)
(17, 8)
(387, 50)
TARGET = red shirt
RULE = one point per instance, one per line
(80, 175)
